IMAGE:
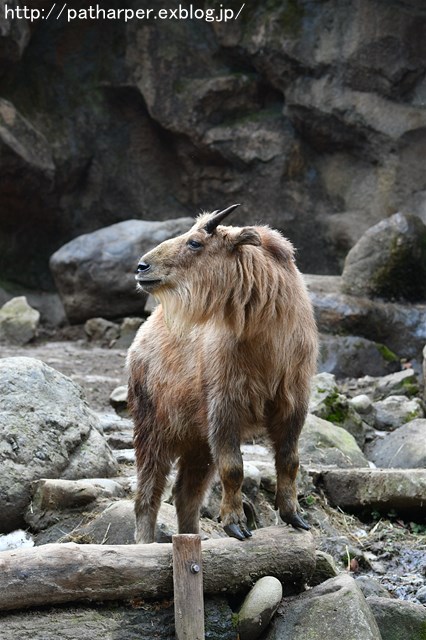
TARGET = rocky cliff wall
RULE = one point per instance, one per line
(311, 113)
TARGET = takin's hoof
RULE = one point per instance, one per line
(235, 531)
(297, 522)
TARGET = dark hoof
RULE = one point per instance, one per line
(234, 531)
(298, 522)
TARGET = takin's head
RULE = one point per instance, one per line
(230, 273)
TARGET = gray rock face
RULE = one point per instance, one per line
(300, 112)
(14, 33)
(389, 261)
(47, 430)
(18, 321)
(398, 620)
(334, 609)
(95, 272)
(404, 448)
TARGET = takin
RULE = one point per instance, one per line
(228, 353)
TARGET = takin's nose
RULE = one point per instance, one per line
(143, 267)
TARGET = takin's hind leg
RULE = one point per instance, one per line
(285, 437)
(195, 471)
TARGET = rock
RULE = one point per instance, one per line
(401, 327)
(252, 480)
(397, 619)
(371, 587)
(115, 524)
(363, 405)
(258, 607)
(120, 439)
(79, 623)
(94, 273)
(51, 497)
(353, 357)
(401, 383)
(14, 34)
(218, 619)
(421, 595)
(424, 372)
(29, 171)
(18, 321)
(144, 620)
(125, 456)
(323, 443)
(367, 490)
(101, 330)
(118, 399)
(404, 448)
(389, 261)
(326, 402)
(111, 422)
(47, 303)
(46, 429)
(394, 411)
(335, 608)
(299, 109)
(325, 568)
(128, 329)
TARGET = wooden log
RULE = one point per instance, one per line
(188, 587)
(57, 573)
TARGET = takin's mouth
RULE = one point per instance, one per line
(148, 285)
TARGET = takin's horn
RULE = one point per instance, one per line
(217, 218)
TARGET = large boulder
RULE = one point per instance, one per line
(46, 431)
(401, 327)
(389, 261)
(95, 272)
(334, 609)
(404, 448)
(398, 620)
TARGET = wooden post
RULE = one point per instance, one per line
(188, 587)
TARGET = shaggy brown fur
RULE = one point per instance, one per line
(229, 352)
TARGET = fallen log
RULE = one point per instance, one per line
(58, 573)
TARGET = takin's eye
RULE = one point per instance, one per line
(194, 245)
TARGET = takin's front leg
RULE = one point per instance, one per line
(224, 441)
(152, 463)
(195, 470)
(285, 437)
(151, 480)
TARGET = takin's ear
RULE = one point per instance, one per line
(248, 235)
